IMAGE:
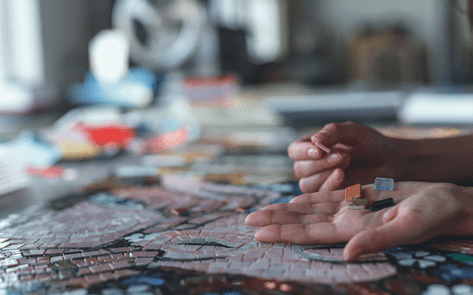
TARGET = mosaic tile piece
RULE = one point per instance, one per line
(107, 244)
(358, 204)
(333, 255)
(383, 184)
(322, 147)
(464, 246)
(382, 204)
(352, 192)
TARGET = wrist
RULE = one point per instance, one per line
(407, 160)
(435, 159)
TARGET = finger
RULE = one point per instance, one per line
(303, 151)
(397, 231)
(313, 183)
(320, 233)
(308, 168)
(267, 217)
(314, 208)
(347, 133)
(320, 197)
(334, 181)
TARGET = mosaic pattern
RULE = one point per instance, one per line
(463, 246)
(157, 240)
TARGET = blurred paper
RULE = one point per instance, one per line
(12, 177)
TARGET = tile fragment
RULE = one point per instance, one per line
(321, 146)
(425, 263)
(382, 204)
(352, 192)
(358, 204)
(383, 184)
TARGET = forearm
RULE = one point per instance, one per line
(437, 159)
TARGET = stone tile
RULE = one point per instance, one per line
(101, 267)
(54, 251)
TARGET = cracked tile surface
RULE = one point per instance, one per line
(132, 235)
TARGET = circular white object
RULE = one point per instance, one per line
(173, 30)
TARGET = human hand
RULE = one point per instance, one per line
(358, 155)
(422, 211)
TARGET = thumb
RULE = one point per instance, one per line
(396, 231)
(348, 133)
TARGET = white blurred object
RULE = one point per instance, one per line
(20, 98)
(264, 20)
(437, 108)
(109, 55)
(24, 84)
(12, 176)
(15, 99)
(162, 35)
(31, 149)
(267, 41)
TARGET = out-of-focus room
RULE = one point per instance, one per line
(109, 85)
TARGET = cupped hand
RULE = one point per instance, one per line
(358, 155)
(422, 211)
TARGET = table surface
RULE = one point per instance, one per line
(184, 233)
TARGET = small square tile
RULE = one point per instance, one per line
(353, 192)
(383, 184)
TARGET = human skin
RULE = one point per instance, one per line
(422, 211)
(359, 154)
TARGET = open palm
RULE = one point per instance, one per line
(422, 211)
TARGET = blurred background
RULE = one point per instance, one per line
(308, 48)
(174, 84)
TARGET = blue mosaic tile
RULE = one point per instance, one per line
(108, 200)
(383, 184)
(452, 272)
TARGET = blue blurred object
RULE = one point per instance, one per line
(152, 280)
(450, 272)
(137, 89)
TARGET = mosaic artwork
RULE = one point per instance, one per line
(152, 239)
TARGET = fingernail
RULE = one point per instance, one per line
(336, 174)
(333, 158)
(313, 153)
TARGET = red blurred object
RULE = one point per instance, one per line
(167, 140)
(46, 172)
(112, 137)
